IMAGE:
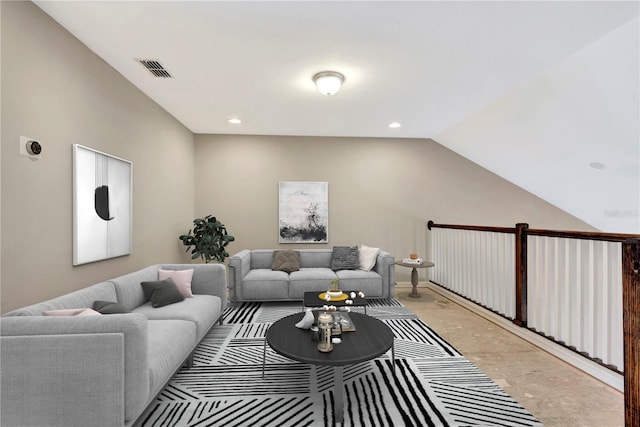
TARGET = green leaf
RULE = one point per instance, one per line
(208, 239)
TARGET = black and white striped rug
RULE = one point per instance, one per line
(433, 385)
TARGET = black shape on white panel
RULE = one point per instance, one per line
(102, 202)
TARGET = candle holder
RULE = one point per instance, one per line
(325, 323)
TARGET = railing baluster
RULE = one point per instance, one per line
(576, 298)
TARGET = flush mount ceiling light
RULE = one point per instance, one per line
(328, 82)
(234, 121)
(395, 125)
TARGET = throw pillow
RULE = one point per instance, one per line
(345, 258)
(71, 312)
(109, 307)
(182, 279)
(162, 292)
(287, 261)
(368, 257)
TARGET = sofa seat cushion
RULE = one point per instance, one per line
(309, 279)
(170, 343)
(368, 282)
(202, 310)
(265, 284)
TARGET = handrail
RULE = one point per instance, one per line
(588, 235)
(431, 224)
(631, 295)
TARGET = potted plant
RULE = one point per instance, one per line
(208, 238)
(334, 288)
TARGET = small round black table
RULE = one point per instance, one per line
(312, 299)
(370, 339)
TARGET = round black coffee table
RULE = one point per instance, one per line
(370, 339)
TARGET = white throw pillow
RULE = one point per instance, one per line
(368, 257)
(182, 279)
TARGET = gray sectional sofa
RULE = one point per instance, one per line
(252, 278)
(102, 370)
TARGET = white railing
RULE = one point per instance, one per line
(574, 294)
(477, 265)
(566, 286)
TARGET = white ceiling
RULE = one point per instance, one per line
(433, 66)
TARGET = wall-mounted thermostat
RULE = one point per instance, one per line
(30, 147)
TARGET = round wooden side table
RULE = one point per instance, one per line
(414, 275)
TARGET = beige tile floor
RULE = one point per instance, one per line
(552, 390)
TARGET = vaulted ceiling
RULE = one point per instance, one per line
(542, 93)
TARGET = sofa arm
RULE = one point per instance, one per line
(208, 279)
(239, 266)
(386, 268)
(70, 371)
(47, 381)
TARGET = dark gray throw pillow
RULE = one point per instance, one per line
(162, 292)
(109, 307)
(345, 258)
(287, 261)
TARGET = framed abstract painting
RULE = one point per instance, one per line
(102, 211)
(303, 212)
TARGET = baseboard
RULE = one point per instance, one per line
(593, 369)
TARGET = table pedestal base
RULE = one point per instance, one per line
(414, 283)
(414, 275)
(338, 390)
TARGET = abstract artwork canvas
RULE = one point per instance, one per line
(101, 206)
(304, 212)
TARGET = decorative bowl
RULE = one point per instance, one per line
(334, 294)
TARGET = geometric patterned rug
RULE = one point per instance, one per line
(433, 385)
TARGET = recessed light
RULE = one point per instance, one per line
(597, 165)
(235, 121)
(394, 125)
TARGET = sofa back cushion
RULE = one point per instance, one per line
(315, 258)
(82, 298)
(261, 258)
(309, 258)
(128, 288)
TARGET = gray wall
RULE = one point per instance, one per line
(56, 90)
(381, 191)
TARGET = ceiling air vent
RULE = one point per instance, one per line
(155, 67)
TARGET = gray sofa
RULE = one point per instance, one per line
(102, 370)
(251, 277)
